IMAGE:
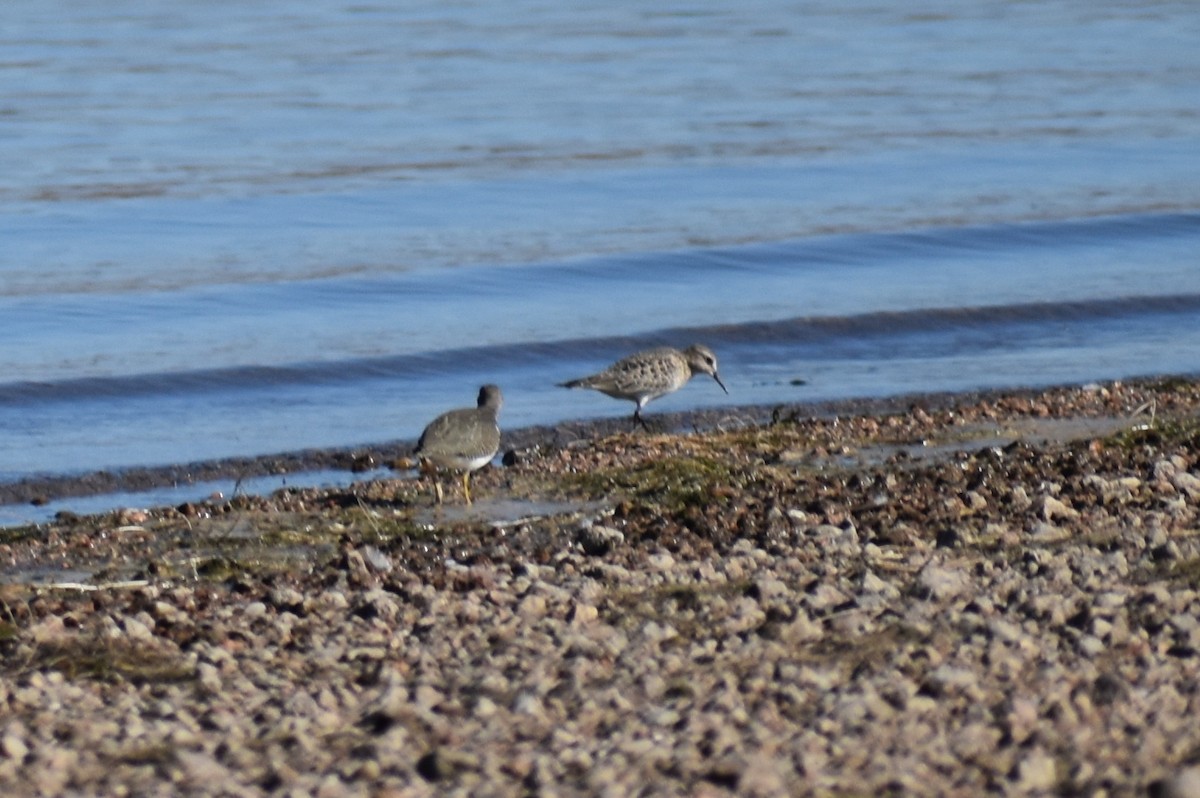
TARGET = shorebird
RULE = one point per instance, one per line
(464, 440)
(648, 375)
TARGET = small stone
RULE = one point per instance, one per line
(189, 510)
(334, 600)
(1036, 771)
(874, 585)
(597, 540)
(132, 517)
(14, 747)
(167, 612)
(332, 786)
(1022, 719)
(940, 583)
(137, 631)
(286, 599)
(532, 606)
(376, 559)
(1020, 499)
(1091, 646)
(485, 708)
(200, 768)
(357, 569)
(54, 770)
(657, 633)
(379, 603)
(427, 696)
(1004, 630)
(527, 703)
(1050, 508)
(801, 629)
(1046, 532)
(768, 589)
(1188, 483)
(47, 630)
(825, 596)
(209, 677)
(975, 500)
(949, 679)
(661, 561)
(1184, 784)
(583, 614)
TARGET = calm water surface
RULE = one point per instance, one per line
(236, 229)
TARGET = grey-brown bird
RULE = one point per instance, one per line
(648, 375)
(463, 440)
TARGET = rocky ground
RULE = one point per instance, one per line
(988, 595)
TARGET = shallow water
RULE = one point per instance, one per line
(235, 230)
(196, 492)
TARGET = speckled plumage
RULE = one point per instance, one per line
(647, 375)
(464, 440)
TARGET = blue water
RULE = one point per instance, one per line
(237, 229)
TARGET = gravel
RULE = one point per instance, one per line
(963, 599)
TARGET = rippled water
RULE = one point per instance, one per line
(235, 229)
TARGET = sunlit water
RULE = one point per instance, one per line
(236, 229)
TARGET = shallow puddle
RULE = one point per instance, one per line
(500, 512)
(976, 437)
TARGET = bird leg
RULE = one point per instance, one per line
(426, 468)
(467, 486)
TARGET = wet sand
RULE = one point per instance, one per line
(938, 595)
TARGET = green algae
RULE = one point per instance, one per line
(20, 534)
(1159, 433)
(90, 657)
(671, 484)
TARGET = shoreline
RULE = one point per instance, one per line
(994, 594)
(38, 489)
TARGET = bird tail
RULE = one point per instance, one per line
(572, 384)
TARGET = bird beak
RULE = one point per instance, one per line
(718, 379)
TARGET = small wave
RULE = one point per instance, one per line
(859, 247)
(872, 325)
(810, 332)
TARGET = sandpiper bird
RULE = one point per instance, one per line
(465, 439)
(650, 374)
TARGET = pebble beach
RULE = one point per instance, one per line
(965, 595)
